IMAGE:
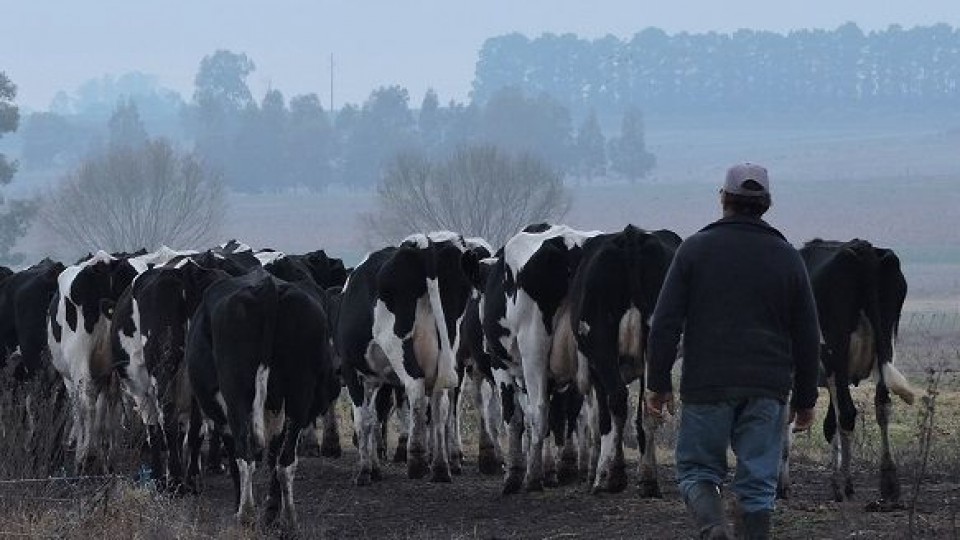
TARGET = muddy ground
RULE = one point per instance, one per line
(330, 506)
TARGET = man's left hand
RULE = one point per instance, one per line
(656, 402)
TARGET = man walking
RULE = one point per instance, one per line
(740, 295)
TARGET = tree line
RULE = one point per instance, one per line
(280, 143)
(683, 73)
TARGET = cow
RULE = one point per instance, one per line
(397, 326)
(259, 363)
(476, 370)
(148, 335)
(328, 274)
(24, 297)
(526, 324)
(612, 298)
(859, 290)
(78, 336)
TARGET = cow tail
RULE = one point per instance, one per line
(883, 337)
(270, 298)
(446, 364)
(897, 383)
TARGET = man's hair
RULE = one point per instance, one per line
(746, 205)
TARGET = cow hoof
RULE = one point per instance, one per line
(440, 474)
(456, 467)
(246, 516)
(400, 456)
(848, 487)
(331, 450)
(531, 485)
(488, 463)
(376, 474)
(417, 466)
(839, 494)
(364, 478)
(513, 481)
(193, 484)
(271, 512)
(616, 481)
(550, 479)
(650, 489)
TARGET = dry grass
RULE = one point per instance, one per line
(111, 506)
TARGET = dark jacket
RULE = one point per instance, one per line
(740, 294)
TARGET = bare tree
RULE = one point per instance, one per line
(478, 191)
(133, 197)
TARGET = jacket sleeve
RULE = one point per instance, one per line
(806, 345)
(668, 319)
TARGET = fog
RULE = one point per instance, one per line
(56, 45)
(638, 107)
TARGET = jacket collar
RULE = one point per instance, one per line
(746, 221)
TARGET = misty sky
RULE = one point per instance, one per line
(46, 46)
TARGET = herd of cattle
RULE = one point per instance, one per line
(248, 349)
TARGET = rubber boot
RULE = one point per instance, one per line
(705, 504)
(755, 525)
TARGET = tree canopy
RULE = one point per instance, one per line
(749, 69)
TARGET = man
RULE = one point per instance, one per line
(739, 293)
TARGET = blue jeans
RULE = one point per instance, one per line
(753, 427)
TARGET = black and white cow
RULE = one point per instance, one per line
(476, 369)
(24, 298)
(859, 290)
(148, 337)
(612, 298)
(78, 337)
(327, 274)
(526, 324)
(258, 358)
(397, 327)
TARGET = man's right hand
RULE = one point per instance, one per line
(802, 419)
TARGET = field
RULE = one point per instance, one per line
(472, 507)
(898, 186)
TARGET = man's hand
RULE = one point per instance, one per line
(656, 401)
(801, 419)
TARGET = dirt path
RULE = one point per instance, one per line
(330, 506)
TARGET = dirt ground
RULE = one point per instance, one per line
(330, 506)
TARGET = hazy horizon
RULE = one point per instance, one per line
(57, 45)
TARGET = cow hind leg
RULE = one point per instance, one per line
(417, 466)
(783, 478)
(440, 441)
(452, 434)
(647, 426)
(274, 435)
(567, 471)
(889, 482)
(513, 413)
(285, 471)
(364, 422)
(403, 429)
(330, 440)
(488, 451)
(845, 414)
(610, 473)
(192, 480)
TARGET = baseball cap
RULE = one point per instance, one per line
(747, 179)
